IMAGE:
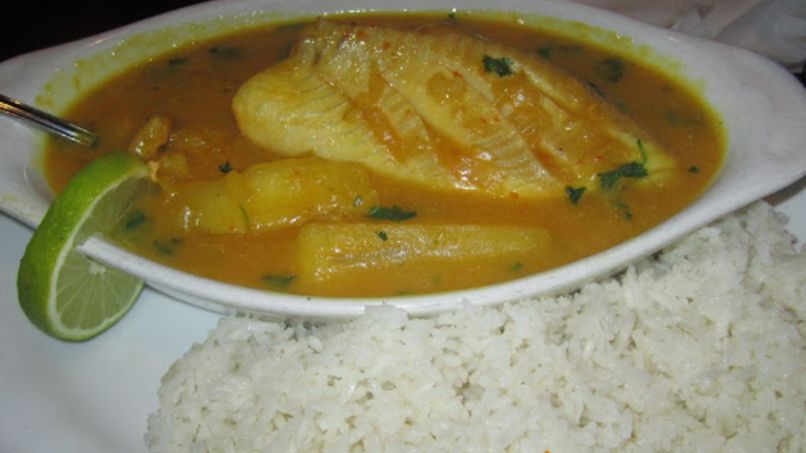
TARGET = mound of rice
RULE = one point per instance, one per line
(699, 348)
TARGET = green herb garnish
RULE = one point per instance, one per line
(394, 213)
(550, 50)
(135, 219)
(382, 235)
(618, 103)
(225, 167)
(610, 69)
(501, 66)
(574, 193)
(679, 119)
(609, 179)
(545, 52)
(166, 247)
(278, 281)
(641, 150)
(694, 169)
(624, 209)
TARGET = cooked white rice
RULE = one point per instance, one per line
(701, 348)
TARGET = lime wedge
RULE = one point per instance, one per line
(63, 292)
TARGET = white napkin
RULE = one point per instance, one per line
(773, 28)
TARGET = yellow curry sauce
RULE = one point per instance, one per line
(194, 87)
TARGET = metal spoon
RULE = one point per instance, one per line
(46, 121)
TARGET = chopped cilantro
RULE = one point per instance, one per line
(574, 193)
(134, 220)
(618, 103)
(610, 69)
(382, 235)
(278, 281)
(679, 119)
(624, 209)
(641, 149)
(166, 247)
(501, 66)
(517, 267)
(548, 51)
(225, 167)
(394, 213)
(452, 16)
(609, 179)
(694, 169)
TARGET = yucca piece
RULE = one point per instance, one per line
(441, 109)
(330, 254)
(274, 195)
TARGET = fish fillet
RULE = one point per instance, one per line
(427, 107)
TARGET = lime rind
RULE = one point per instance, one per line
(112, 291)
(56, 288)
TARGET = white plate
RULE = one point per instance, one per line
(763, 109)
(95, 397)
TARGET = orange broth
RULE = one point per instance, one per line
(194, 87)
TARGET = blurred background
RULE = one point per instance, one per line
(34, 25)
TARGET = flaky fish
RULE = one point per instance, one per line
(443, 110)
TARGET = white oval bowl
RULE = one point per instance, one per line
(763, 109)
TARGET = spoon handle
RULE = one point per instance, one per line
(46, 121)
